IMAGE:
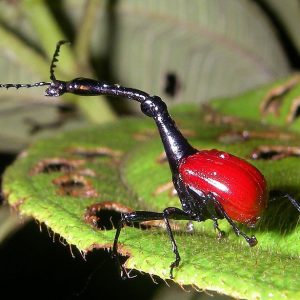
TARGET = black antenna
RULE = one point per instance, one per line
(25, 85)
(54, 59)
(42, 83)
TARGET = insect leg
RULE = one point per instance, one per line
(174, 213)
(141, 216)
(252, 241)
(293, 201)
(202, 201)
(221, 233)
(115, 250)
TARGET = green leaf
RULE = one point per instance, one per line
(285, 105)
(126, 166)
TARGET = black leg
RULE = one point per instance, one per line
(141, 216)
(210, 212)
(293, 201)
(220, 233)
(174, 213)
(252, 241)
(120, 267)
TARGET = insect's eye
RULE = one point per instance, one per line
(56, 89)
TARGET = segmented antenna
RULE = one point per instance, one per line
(20, 85)
(42, 83)
(55, 59)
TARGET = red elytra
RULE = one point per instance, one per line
(238, 186)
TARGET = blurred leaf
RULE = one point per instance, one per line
(285, 106)
(26, 119)
(42, 21)
(133, 179)
(185, 49)
(29, 33)
(185, 53)
(288, 13)
(197, 50)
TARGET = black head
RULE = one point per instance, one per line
(78, 86)
(56, 88)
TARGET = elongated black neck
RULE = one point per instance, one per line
(175, 144)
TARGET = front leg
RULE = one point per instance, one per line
(141, 216)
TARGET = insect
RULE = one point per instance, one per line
(211, 184)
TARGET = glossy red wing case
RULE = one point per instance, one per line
(238, 186)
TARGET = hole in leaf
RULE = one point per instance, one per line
(162, 158)
(72, 184)
(105, 215)
(57, 167)
(265, 155)
(294, 112)
(214, 117)
(144, 134)
(245, 135)
(50, 165)
(272, 102)
(232, 137)
(75, 185)
(107, 219)
(91, 153)
(172, 84)
(271, 105)
(167, 187)
(275, 152)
